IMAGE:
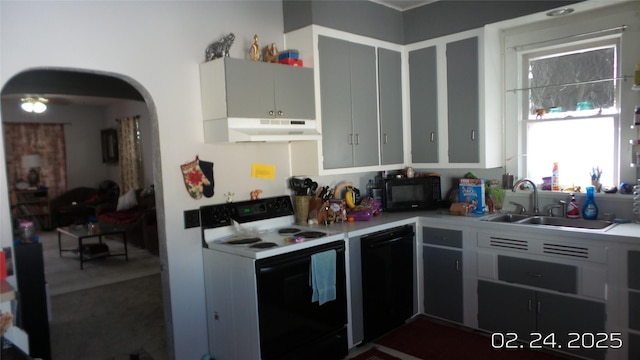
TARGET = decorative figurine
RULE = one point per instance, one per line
(219, 48)
(271, 53)
(254, 52)
(255, 194)
(540, 113)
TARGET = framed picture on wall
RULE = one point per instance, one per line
(109, 145)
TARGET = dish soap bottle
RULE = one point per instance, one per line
(555, 178)
(590, 209)
(573, 209)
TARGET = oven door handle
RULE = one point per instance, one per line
(386, 242)
(288, 263)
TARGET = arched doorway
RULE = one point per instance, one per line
(65, 88)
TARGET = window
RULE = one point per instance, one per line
(571, 113)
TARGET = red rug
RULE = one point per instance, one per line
(374, 354)
(426, 339)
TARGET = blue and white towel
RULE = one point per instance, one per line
(323, 276)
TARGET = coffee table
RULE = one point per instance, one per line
(80, 233)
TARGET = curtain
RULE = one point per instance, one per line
(46, 140)
(130, 154)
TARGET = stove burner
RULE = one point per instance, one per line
(263, 245)
(243, 241)
(288, 231)
(310, 234)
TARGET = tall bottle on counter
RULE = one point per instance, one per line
(573, 209)
(590, 209)
(555, 178)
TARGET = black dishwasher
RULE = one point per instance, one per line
(387, 280)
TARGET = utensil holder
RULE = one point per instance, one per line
(302, 209)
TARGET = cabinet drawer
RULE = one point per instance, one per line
(634, 269)
(444, 237)
(634, 310)
(541, 274)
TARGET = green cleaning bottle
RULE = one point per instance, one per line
(590, 209)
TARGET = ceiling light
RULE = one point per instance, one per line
(560, 12)
(36, 105)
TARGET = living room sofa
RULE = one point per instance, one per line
(135, 212)
(74, 206)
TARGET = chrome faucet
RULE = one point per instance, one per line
(562, 205)
(535, 193)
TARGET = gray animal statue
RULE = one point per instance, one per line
(219, 48)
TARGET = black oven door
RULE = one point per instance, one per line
(291, 325)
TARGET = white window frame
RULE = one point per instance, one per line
(525, 56)
(518, 39)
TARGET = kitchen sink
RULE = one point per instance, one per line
(528, 219)
(574, 223)
(508, 218)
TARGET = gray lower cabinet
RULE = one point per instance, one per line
(505, 308)
(442, 269)
(443, 283)
(349, 103)
(390, 99)
(423, 87)
(463, 100)
(633, 276)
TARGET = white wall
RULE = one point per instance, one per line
(157, 46)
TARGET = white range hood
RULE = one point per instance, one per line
(266, 130)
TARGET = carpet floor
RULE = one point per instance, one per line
(110, 310)
(110, 322)
(63, 274)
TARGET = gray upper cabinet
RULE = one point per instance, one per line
(390, 99)
(294, 93)
(349, 103)
(423, 85)
(463, 100)
(335, 92)
(238, 88)
(455, 112)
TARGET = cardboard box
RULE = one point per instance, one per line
(472, 193)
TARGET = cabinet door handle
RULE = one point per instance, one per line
(357, 139)
(535, 275)
(433, 137)
(457, 265)
(271, 112)
(539, 308)
(473, 135)
(386, 139)
(280, 113)
(350, 139)
(529, 308)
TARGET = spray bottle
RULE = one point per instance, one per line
(590, 209)
(555, 178)
(573, 209)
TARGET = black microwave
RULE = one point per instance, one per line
(422, 192)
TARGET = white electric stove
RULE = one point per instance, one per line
(257, 269)
(259, 228)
